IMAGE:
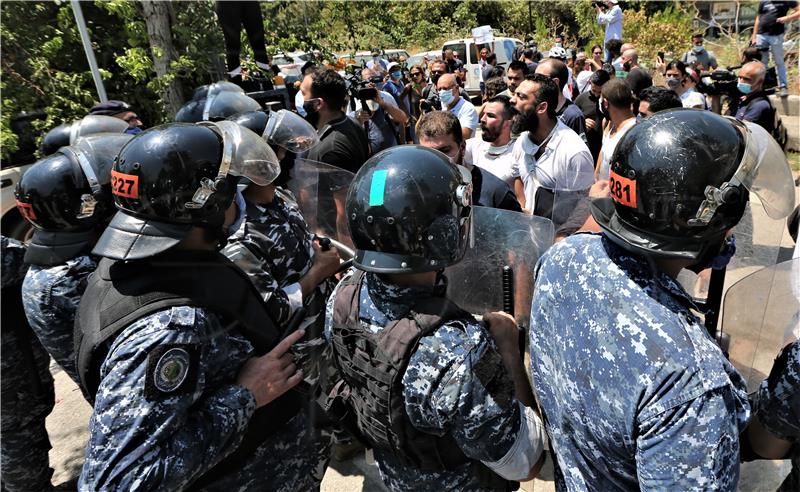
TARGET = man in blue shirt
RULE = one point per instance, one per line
(755, 105)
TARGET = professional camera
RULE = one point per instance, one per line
(431, 104)
(722, 81)
(602, 5)
(358, 90)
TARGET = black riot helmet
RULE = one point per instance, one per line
(66, 196)
(409, 211)
(176, 176)
(255, 121)
(215, 107)
(204, 91)
(680, 180)
(68, 133)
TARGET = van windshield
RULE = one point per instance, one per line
(461, 49)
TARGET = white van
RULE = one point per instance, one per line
(469, 53)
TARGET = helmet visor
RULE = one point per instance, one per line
(95, 123)
(222, 86)
(227, 103)
(288, 130)
(96, 154)
(246, 155)
(765, 172)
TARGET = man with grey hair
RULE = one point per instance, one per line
(755, 105)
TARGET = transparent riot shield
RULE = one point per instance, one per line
(496, 273)
(759, 313)
(320, 191)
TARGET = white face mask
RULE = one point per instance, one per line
(372, 105)
(446, 96)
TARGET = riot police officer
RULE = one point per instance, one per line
(175, 346)
(67, 198)
(442, 399)
(624, 370)
(216, 102)
(27, 395)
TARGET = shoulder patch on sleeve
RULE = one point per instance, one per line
(171, 370)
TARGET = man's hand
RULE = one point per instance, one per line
(325, 262)
(504, 330)
(271, 375)
(363, 117)
(599, 189)
(590, 123)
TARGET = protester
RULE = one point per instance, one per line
(495, 87)
(616, 107)
(613, 50)
(460, 107)
(377, 63)
(588, 102)
(343, 142)
(612, 19)
(597, 57)
(683, 83)
(552, 163)
(452, 408)
(755, 105)
(769, 31)
(493, 150)
(566, 111)
(698, 56)
(441, 130)
(382, 117)
(121, 110)
(655, 99)
(453, 63)
(670, 415)
(515, 74)
(491, 64)
(527, 58)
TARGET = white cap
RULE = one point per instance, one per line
(391, 66)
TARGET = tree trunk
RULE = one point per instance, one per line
(158, 17)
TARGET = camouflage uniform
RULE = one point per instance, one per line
(166, 442)
(27, 387)
(633, 391)
(278, 254)
(777, 408)
(51, 296)
(455, 382)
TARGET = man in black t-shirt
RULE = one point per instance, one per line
(343, 142)
(588, 103)
(567, 112)
(768, 31)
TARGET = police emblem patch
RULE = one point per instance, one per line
(171, 370)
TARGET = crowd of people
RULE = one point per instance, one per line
(224, 343)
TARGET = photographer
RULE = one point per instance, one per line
(612, 19)
(381, 113)
(754, 105)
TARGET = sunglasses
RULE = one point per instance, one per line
(439, 72)
(414, 74)
(131, 119)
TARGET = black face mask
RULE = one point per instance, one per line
(626, 66)
(435, 78)
(312, 113)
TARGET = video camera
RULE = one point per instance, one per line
(723, 81)
(358, 90)
(602, 5)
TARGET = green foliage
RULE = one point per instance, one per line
(44, 66)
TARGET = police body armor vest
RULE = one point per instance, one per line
(119, 293)
(372, 367)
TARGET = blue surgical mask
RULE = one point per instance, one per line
(133, 130)
(744, 88)
(698, 48)
(241, 208)
(447, 97)
(397, 74)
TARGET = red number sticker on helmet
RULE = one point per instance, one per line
(26, 210)
(623, 190)
(126, 185)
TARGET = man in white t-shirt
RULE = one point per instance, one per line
(552, 162)
(449, 95)
(492, 151)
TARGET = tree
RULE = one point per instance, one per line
(159, 18)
